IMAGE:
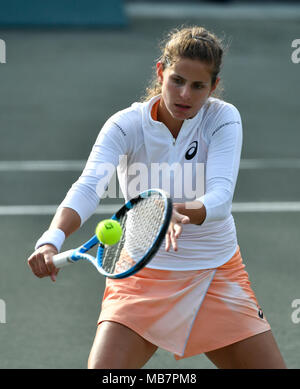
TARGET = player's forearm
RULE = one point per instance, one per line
(67, 220)
(195, 210)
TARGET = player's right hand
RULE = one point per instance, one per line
(175, 228)
(41, 264)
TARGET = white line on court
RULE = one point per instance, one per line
(271, 163)
(56, 166)
(23, 210)
(78, 165)
(281, 206)
(215, 11)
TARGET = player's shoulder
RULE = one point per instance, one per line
(123, 127)
(216, 108)
(128, 119)
(219, 114)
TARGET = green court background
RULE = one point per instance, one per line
(57, 89)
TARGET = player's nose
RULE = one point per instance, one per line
(185, 93)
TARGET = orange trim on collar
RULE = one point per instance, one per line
(154, 110)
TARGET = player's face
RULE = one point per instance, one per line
(186, 85)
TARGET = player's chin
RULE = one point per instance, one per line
(180, 115)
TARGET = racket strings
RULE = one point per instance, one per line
(112, 253)
(141, 226)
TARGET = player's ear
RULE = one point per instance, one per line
(214, 86)
(160, 72)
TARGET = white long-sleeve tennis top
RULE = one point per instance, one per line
(201, 163)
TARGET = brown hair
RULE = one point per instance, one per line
(189, 42)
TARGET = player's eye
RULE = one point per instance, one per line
(178, 80)
(199, 86)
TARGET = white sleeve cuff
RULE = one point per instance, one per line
(56, 237)
(217, 204)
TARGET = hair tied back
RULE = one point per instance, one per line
(197, 37)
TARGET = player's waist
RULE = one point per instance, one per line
(199, 249)
(209, 229)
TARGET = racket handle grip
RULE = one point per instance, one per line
(63, 259)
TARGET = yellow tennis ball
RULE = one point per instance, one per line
(109, 231)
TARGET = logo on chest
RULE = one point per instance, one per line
(192, 151)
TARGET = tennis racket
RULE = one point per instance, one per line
(144, 220)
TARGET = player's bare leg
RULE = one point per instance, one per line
(257, 352)
(118, 347)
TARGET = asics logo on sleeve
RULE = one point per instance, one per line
(192, 150)
(223, 125)
(120, 128)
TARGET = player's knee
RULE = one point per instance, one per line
(98, 360)
(93, 363)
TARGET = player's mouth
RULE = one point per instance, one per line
(183, 107)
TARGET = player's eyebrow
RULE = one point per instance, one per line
(198, 82)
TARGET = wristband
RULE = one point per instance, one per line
(56, 237)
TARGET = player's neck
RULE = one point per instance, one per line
(174, 125)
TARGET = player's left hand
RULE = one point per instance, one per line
(175, 229)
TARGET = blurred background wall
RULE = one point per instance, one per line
(62, 12)
(105, 13)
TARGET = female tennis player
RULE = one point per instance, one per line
(195, 296)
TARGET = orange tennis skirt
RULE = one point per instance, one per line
(186, 312)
